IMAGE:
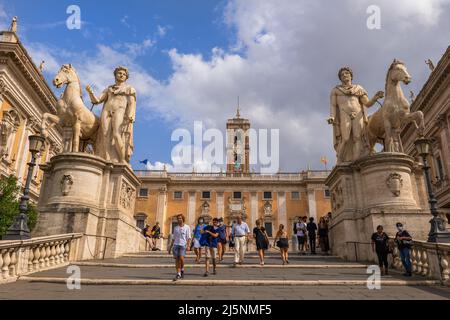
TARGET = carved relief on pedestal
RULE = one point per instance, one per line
(8, 128)
(395, 183)
(66, 184)
(127, 195)
(337, 198)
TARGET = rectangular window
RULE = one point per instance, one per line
(178, 195)
(327, 193)
(206, 195)
(268, 227)
(237, 195)
(143, 192)
(440, 168)
(267, 195)
(295, 195)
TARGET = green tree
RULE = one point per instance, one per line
(9, 204)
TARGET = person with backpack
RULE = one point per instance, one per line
(404, 243)
(380, 245)
(155, 235)
(300, 231)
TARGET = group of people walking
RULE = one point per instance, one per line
(211, 239)
(308, 234)
(381, 245)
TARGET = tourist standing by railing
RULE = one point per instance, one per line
(323, 236)
(380, 245)
(282, 243)
(155, 235)
(404, 243)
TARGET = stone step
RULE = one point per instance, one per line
(228, 283)
(244, 266)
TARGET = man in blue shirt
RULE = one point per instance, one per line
(240, 234)
(211, 240)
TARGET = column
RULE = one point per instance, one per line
(282, 211)
(191, 208)
(312, 204)
(253, 209)
(220, 205)
(161, 210)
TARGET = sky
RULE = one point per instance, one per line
(189, 61)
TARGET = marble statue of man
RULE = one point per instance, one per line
(115, 135)
(349, 117)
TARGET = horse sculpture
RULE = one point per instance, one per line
(72, 111)
(386, 123)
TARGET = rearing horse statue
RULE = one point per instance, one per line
(386, 123)
(72, 111)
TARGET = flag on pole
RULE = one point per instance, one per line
(144, 162)
(324, 161)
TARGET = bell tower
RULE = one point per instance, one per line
(238, 144)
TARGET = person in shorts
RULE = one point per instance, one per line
(212, 240)
(223, 236)
(180, 243)
(300, 229)
(196, 239)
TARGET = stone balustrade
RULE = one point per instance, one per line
(428, 260)
(19, 258)
(240, 176)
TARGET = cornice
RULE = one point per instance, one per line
(17, 54)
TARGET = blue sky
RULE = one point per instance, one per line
(195, 27)
(190, 59)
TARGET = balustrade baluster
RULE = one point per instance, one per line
(42, 256)
(414, 260)
(36, 255)
(48, 253)
(52, 257)
(1, 263)
(445, 267)
(419, 262)
(13, 264)
(67, 251)
(6, 262)
(425, 264)
(57, 252)
(30, 259)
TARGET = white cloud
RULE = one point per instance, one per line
(283, 65)
(162, 31)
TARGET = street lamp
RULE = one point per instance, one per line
(438, 232)
(19, 229)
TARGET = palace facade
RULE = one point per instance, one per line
(276, 199)
(434, 101)
(24, 98)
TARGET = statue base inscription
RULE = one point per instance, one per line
(380, 189)
(83, 193)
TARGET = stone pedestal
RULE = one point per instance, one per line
(381, 189)
(82, 193)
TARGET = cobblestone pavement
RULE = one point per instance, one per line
(302, 268)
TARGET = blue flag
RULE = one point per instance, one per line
(145, 162)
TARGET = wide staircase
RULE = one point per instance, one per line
(149, 275)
